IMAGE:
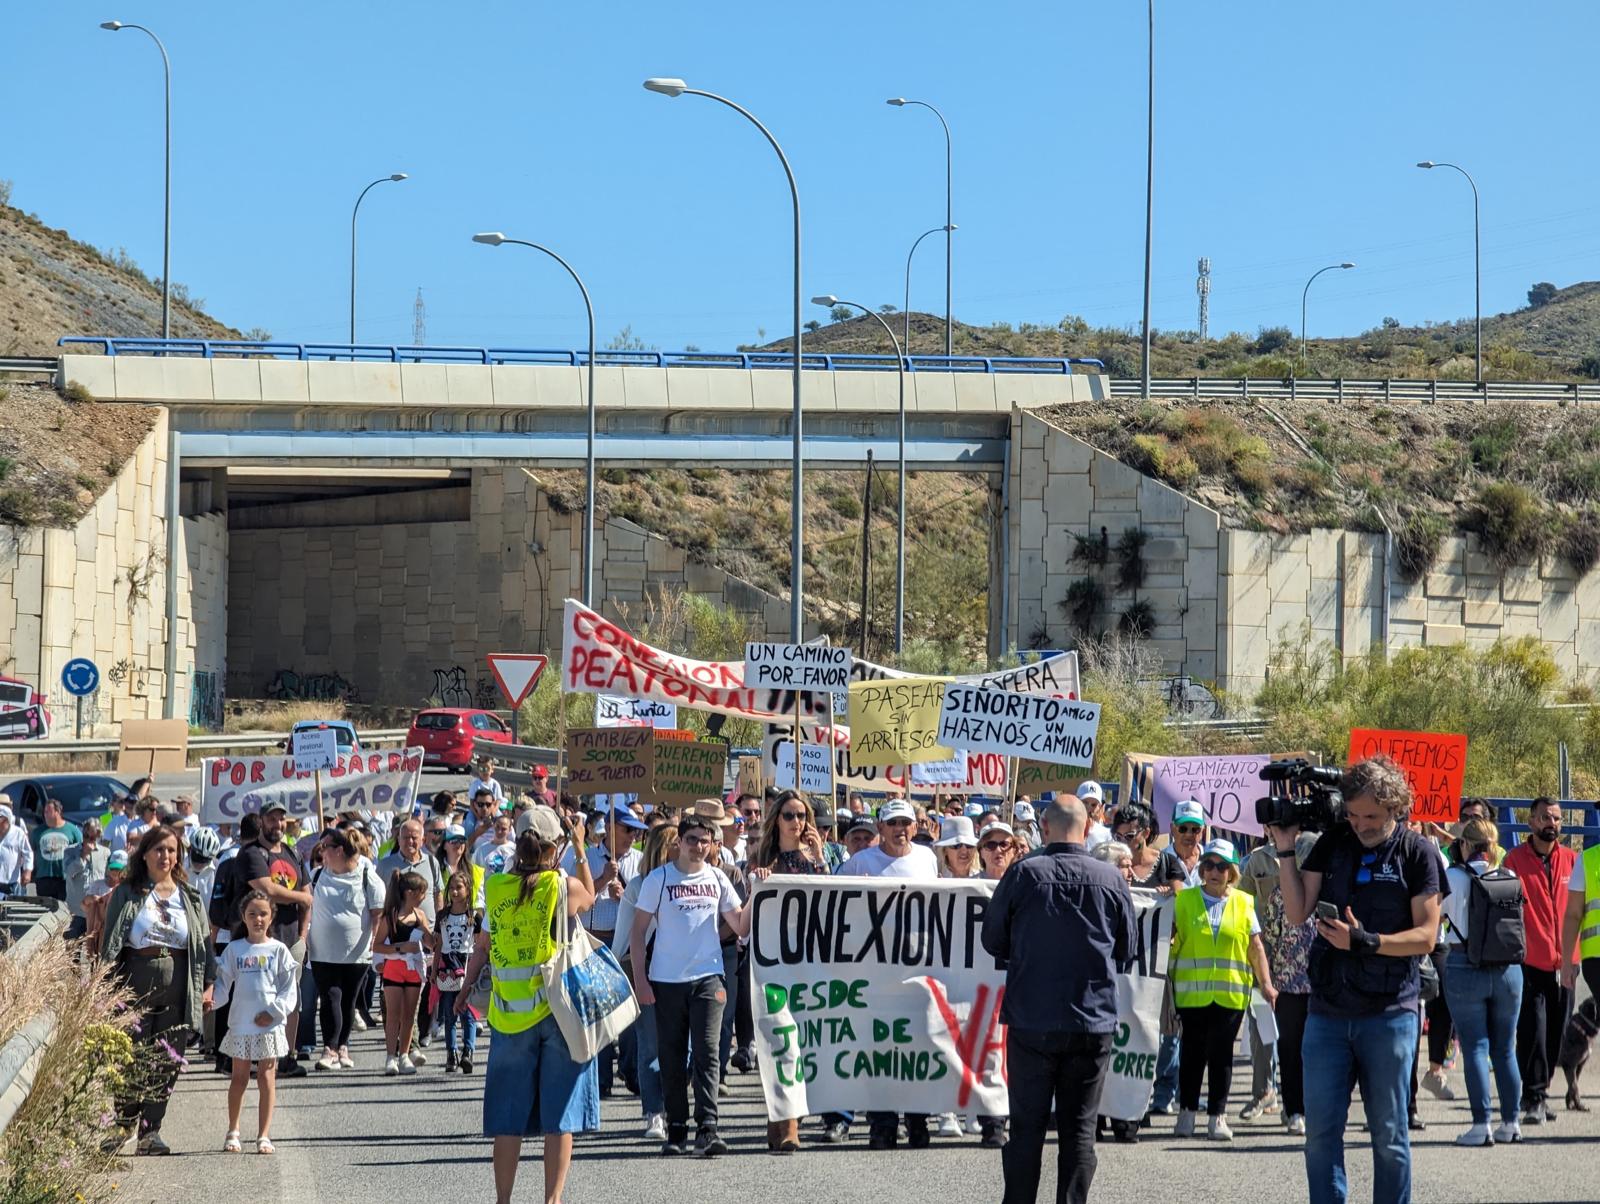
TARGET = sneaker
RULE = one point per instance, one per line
(836, 1133)
(917, 1135)
(328, 1061)
(344, 1060)
(438, 1030)
(466, 1063)
(1170, 1108)
(1217, 1129)
(740, 1062)
(1507, 1132)
(655, 1127)
(406, 1065)
(422, 1041)
(1262, 1105)
(152, 1145)
(972, 1126)
(1477, 1135)
(1534, 1115)
(994, 1136)
(359, 1024)
(288, 1068)
(1185, 1125)
(1296, 1124)
(883, 1141)
(1435, 1083)
(708, 1143)
(671, 1147)
(949, 1126)
(449, 1061)
(418, 1057)
(392, 1066)
(723, 1090)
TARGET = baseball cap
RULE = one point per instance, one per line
(1022, 811)
(863, 823)
(1189, 812)
(541, 771)
(996, 826)
(454, 832)
(542, 821)
(274, 804)
(972, 810)
(1091, 790)
(117, 860)
(844, 817)
(1223, 849)
(896, 809)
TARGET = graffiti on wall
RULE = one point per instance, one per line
(205, 699)
(487, 694)
(118, 673)
(450, 687)
(289, 686)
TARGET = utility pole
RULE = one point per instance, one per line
(866, 558)
(1203, 287)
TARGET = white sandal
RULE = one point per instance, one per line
(264, 1146)
(230, 1143)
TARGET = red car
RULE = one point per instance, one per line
(445, 734)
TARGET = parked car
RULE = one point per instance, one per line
(445, 734)
(82, 795)
(344, 734)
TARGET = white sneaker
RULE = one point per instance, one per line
(406, 1065)
(1509, 1131)
(1477, 1135)
(438, 1030)
(1185, 1125)
(420, 1058)
(358, 1024)
(655, 1127)
(328, 1061)
(1296, 1124)
(392, 1066)
(973, 1126)
(949, 1126)
(1217, 1129)
(1437, 1085)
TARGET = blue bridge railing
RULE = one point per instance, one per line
(384, 354)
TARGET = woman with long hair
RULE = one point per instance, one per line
(956, 848)
(660, 847)
(158, 938)
(532, 1085)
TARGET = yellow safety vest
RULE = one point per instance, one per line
(519, 943)
(1589, 927)
(1209, 968)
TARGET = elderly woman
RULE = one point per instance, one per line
(158, 940)
(1116, 854)
(999, 847)
(956, 848)
(1216, 942)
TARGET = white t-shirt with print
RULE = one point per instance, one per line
(919, 864)
(686, 908)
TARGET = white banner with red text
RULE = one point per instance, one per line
(877, 995)
(232, 787)
(984, 773)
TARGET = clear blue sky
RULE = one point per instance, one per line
(1286, 135)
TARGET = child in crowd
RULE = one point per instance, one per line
(400, 936)
(459, 925)
(259, 975)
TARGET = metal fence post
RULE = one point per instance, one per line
(1433, 389)
(1339, 382)
(1197, 388)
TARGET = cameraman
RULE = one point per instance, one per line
(1382, 883)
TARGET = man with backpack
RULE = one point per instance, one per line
(1483, 979)
(1543, 864)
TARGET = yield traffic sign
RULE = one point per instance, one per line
(517, 673)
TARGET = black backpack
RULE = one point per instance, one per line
(220, 905)
(1495, 935)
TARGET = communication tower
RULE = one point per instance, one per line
(1201, 286)
(419, 321)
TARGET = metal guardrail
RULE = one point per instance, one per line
(26, 925)
(1200, 388)
(22, 749)
(28, 365)
(394, 354)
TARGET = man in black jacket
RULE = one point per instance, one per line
(1061, 922)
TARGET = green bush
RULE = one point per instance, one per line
(1084, 599)
(1579, 541)
(1416, 544)
(1510, 523)
(1494, 443)
(1270, 339)
(1156, 456)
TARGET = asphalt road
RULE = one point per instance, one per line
(355, 1137)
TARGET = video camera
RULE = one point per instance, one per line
(1308, 797)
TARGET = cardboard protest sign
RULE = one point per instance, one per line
(232, 787)
(687, 770)
(815, 772)
(1036, 777)
(598, 657)
(749, 779)
(1435, 765)
(796, 666)
(1227, 787)
(871, 778)
(610, 760)
(151, 746)
(613, 710)
(896, 722)
(1059, 730)
(879, 996)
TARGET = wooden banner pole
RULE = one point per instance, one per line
(316, 779)
(833, 756)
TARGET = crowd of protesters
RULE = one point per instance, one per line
(272, 944)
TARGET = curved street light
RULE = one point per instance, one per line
(1477, 254)
(907, 310)
(395, 178)
(166, 236)
(901, 102)
(676, 87)
(1332, 267)
(496, 239)
(828, 301)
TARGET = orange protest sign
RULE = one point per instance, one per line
(1435, 765)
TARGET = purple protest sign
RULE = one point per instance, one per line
(1227, 787)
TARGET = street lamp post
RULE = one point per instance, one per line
(676, 87)
(907, 310)
(166, 235)
(1149, 196)
(1477, 255)
(1332, 267)
(949, 228)
(828, 301)
(496, 239)
(396, 178)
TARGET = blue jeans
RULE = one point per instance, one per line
(1166, 1090)
(649, 1062)
(466, 1021)
(1484, 1003)
(1378, 1052)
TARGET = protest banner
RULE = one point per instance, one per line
(607, 760)
(598, 657)
(614, 710)
(816, 774)
(1059, 730)
(963, 773)
(874, 995)
(876, 779)
(796, 666)
(896, 722)
(1434, 764)
(687, 770)
(232, 787)
(1057, 675)
(1227, 787)
(1037, 777)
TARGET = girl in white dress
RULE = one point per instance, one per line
(260, 975)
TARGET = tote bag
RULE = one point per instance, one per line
(588, 994)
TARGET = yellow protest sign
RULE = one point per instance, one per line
(896, 721)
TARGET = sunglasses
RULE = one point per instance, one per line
(1187, 829)
(897, 823)
(798, 817)
(1213, 867)
(994, 846)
